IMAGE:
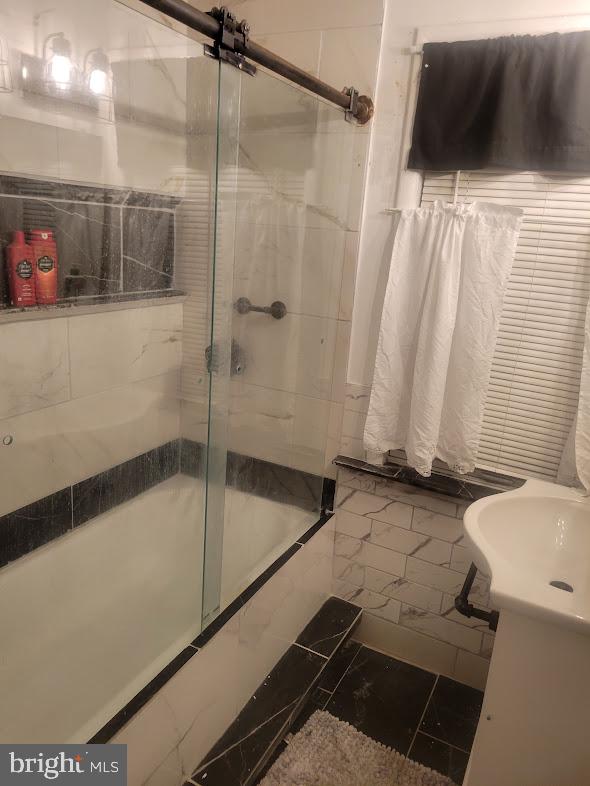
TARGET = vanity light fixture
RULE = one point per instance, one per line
(97, 73)
(60, 71)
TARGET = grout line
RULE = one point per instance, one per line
(423, 714)
(313, 652)
(347, 669)
(438, 739)
(121, 251)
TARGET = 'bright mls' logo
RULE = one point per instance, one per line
(29, 765)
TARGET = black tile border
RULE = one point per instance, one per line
(37, 188)
(64, 510)
(72, 506)
(470, 489)
(140, 699)
(32, 526)
(264, 479)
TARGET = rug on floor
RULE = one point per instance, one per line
(329, 752)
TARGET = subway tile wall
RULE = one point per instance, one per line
(399, 553)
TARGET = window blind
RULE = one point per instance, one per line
(534, 386)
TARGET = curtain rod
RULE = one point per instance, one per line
(232, 43)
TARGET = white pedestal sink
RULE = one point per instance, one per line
(534, 728)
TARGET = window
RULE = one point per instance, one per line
(534, 386)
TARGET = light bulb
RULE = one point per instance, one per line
(98, 81)
(25, 72)
(60, 70)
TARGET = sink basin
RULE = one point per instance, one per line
(534, 542)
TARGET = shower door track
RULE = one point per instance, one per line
(232, 43)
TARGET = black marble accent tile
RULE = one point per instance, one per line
(148, 249)
(121, 483)
(316, 700)
(453, 713)
(273, 757)
(328, 494)
(273, 481)
(382, 697)
(338, 665)
(263, 479)
(86, 499)
(55, 189)
(88, 241)
(468, 488)
(34, 525)
(439, 756)
(192, 458)
(219, 621)
(325, 632)
(145, 694)
(238, 753)
(153, 200)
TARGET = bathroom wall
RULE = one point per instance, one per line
(399, 554)
(406, 565)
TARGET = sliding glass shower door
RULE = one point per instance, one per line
(285, 166)
(102, 494)
(166, 423)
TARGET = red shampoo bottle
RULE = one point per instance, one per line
(21, 272)
(45, 256)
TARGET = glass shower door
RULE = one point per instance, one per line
(101, 492)
(282, 206)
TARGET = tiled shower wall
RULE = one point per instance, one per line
(399, 553)
(287, 407)
(80, 394)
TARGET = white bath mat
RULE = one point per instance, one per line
(329, 752)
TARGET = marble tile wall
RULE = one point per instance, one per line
(300, 246)
(80, 394)
(109, 241)
(399, 553)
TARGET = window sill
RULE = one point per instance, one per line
(465, 487)
(92, 305)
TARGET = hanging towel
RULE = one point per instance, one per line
(449, 270)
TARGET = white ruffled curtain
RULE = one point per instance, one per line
(449, 270)
(574, 469)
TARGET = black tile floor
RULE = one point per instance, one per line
(315, 659)
(430, 718)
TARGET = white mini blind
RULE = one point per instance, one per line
(533, 394)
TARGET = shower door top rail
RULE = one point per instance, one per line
(232, 37)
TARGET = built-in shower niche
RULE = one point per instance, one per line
(112, 243)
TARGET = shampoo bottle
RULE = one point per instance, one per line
(45, 256)
(21, 274)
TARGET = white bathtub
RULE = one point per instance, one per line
(89, 619)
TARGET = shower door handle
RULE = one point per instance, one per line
(277, 310)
